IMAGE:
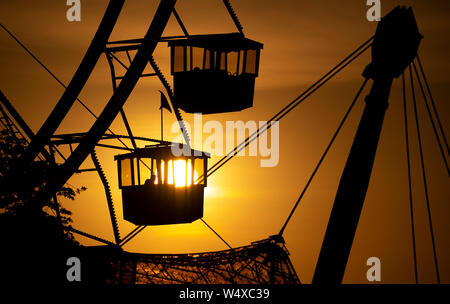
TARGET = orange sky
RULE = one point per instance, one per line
(244, 202)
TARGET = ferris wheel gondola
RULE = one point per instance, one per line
(159, 188)
(214, 73)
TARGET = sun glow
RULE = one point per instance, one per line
(183, 174)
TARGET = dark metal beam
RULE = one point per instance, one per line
(116, 102)
(180, 22)
(352, 188)
(73, 138)
(90, 236)
(394, 47)
(22, 124)
(75, 86)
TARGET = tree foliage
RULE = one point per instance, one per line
(29, 226)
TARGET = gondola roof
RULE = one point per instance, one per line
(160, 152)
(223, 42)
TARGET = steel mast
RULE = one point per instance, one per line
(395, 46)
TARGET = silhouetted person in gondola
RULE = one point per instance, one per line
(151, 181)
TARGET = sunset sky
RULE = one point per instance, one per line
(245, 202)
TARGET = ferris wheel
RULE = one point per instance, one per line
(212, 73)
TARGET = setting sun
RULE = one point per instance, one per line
(182, 173)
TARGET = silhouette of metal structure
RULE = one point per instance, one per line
(11, 121)
(262, 262)
(394, 48)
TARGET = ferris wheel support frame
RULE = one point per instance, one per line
(75, 86)
(395, 46)
(115, 104)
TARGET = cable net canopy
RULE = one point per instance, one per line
(262, 262)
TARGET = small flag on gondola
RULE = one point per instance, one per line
(164, 103)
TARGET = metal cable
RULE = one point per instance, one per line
(424, 176)
(434, 105)
(218, 235)
(300, 96)
(409, 180)
(287, 109)
(54, 76)
(323, 156)
(129, 234)
(132, 235)
(431, 119)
